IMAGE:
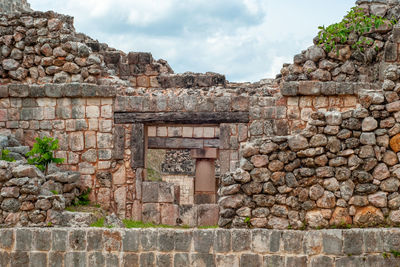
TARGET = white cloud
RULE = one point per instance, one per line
(245, 39)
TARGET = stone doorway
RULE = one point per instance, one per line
(213, 141)
(186, 156)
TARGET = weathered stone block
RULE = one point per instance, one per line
(77, 240)
(166, 193)
(202, 259)
(273, 260)
(309, 88)
(23, 239)
(164, 260)
(181, 259)
(6, 239)
(391, 52)
(38, 259)
(59, 240)
(130, 240)
(203, 240)
(147, 259)
(4, 258)
(94, 240)
(96, 259)
(104, 140)
(222, 241)
(207, 214)
(349, 261)
(148, 239)
(183, 240)
(76, 259)
(290, 89)
(241, 240)
(250, 260)
(76, 142)
(18, 90)
(322, 261)
(150, 192)
(372, 240)
(130, 259)
(19, 258)
(292, 242)
(169, 214)
(166, 240)
(332, 242)
(298, 261)
(41, 240)
(56, 259)
(112, 259)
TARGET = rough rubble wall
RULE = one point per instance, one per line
(342, 168)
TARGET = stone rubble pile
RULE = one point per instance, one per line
(342, 169)
(347, 64)
(11, 144)
(29, 197)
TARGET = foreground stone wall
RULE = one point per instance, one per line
(168, 247)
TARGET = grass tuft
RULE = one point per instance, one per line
(98, 223)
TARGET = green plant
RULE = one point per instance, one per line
(83, 199)
(247, 220)
(55, 192)
(49, 224)
(98, 223)
(42, 153)
(5, 155)
(385, 255)
(395, 253)
(355, 22)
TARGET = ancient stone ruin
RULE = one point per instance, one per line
(314, 148)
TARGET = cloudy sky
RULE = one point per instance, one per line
(247, 40)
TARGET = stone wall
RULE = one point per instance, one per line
(165, 247)
(310, 148)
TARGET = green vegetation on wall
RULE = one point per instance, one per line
(351, 30)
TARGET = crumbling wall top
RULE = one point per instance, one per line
(10, 6)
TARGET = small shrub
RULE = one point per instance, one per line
(247, 220)
(83, 200)
(356, 21)
(42, 153)
(395, 253)
(5, 155)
